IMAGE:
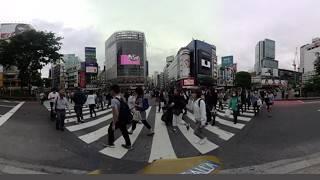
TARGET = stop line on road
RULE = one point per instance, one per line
(94, 132)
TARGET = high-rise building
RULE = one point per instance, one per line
(72, 66)
(307, 59)
(265, 63)
(125, 56)
(194, 65)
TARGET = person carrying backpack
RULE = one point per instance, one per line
(233, 105)
(200, 114)
(141, 106)
(121, 118)
(79, 99)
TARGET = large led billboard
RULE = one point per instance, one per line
(130, 59)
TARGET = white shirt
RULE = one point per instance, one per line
(131, 102)
(91, 99)
(62, 104)
(200, 113)
(53, 96)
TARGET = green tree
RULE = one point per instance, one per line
(30, 52)
(243, 79)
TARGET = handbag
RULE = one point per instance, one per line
(136, 116)
(228, 113)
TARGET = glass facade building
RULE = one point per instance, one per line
(265, 52)
(125, 58)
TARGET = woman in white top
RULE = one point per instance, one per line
(91, 101)
(200, 114)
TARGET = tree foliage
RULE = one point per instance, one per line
(243, 79)
(313, 85)
(30, 52)
(317, 65)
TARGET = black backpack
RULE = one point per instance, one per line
(125, 115)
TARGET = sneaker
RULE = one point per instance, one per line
(188, 127)
(174, 130)
(81, 121)
(130, 132)
(151, 133)
(109, 146)
(127, 147)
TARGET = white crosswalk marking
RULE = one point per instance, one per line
(230, 124)
(95, 135)
(161, 144)
(225, 135)
(193, 139)
(119, 153)
(8, 115)
(89, 124)
(74, 119)
(239, 117)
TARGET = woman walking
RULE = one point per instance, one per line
(139, 107)
(233, 105)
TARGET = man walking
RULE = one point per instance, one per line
(118, 119)
(61, 104)
(52, 97)
(79, 99)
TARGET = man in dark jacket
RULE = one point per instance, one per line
(79, 99)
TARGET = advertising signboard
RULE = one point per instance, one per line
(1, 68)
(188, 82)
(130, 59)
(184, 62)
(227, 61)
(90, 53)
(82, 79)
(90, 69)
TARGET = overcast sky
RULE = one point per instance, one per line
(234, 26)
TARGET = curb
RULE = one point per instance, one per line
(289, 166)
(15, 167)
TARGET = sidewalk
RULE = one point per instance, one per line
(304, 165)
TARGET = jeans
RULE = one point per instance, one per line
(52, 112)
(124, 131)
(61, 117)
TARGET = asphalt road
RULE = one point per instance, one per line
(293, 131)
(30, 137)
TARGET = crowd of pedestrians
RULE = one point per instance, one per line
(129, 108)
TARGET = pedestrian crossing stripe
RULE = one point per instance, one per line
(161, 144)
(70, 119)
(225, 135)
(119, 153)
(94, 132)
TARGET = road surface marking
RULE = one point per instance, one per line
(7, 116)
(6, 106)
(86, 117)
(225, 135)
(95, 135)
(89, 124)
(119, 153)
(193, 139)
(161, 145)
(239, 117)
(229, 123)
